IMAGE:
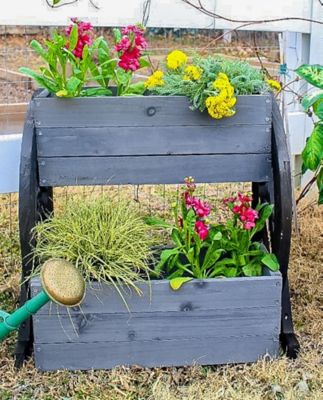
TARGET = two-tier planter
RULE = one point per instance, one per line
(157, 140)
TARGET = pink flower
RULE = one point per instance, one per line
(141, 42)
(130, 47)
(123, 45)
(249, 225)
(84, 38)
(240, 206)
(189, 201)
(229, 200)
(201, 229)
(128, 63)
(201, 209)
(244, 198)
(132, 28)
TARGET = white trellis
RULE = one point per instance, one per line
(301, 42)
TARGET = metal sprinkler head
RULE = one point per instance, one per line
(62, 282)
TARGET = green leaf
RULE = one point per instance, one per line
(265, 212)
(37, 47)
(312, 74)
(176, 283)
(216, 236)
(166, 254)
(252, 270)
(310, 99)
(176, 237)
(117, 35)
(144, 63)
(72, 85)
(152, 221)
(56, 2)
(313, 151)
(231, 272)
(318, 108)
(270, 260)
(89, 92)
(73, 38)
(136, 88)
(212, 255)
(44, 82)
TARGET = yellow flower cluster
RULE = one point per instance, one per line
(156, 79)
(176, 59)
(221, 105)
(274, 84)
(192, 73)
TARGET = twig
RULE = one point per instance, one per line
(306, 189)
(244, 23)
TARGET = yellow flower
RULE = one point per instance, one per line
(192, 73)
(274, 84)
(176, 59)
(156, 79)
(220, 106)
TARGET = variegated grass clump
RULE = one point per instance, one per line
(105, 238)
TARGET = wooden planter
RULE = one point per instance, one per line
(213, 321)
(158, 140)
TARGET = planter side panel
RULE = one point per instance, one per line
(150, 140)
(185, 329)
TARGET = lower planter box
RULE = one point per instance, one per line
(213, 321)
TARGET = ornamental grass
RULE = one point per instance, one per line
(105, 238)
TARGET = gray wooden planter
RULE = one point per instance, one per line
(157, 140)
(214, 321)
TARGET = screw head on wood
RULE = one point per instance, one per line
(151, 111)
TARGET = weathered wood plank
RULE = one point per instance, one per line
(143, 111)
(128, 141)
(157, 296)
(106, 355)
(55, 328)
(63, 171)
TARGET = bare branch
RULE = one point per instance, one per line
(199, 6)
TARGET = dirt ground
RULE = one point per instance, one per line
(265, 380)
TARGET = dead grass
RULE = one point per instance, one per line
(272, 380)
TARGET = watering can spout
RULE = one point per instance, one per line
(61, 282)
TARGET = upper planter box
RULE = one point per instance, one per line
(150, 140)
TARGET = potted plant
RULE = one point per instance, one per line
(210, 118)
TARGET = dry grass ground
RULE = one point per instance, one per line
(267, 379)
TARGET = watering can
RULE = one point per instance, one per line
(61, 282)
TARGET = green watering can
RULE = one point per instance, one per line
(61, 282)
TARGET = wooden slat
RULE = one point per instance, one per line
(85, 328)
(152, 353)
(153, 169)
(142, 111)
(107, 141)
(157, 296)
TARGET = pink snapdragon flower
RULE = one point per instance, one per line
(201, 229)
(84, 29)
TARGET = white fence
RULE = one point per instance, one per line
(301, 42)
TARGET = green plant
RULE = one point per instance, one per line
(198, 81)
(73, 59)
(312, 154)
(105, 238)
(203, 250)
